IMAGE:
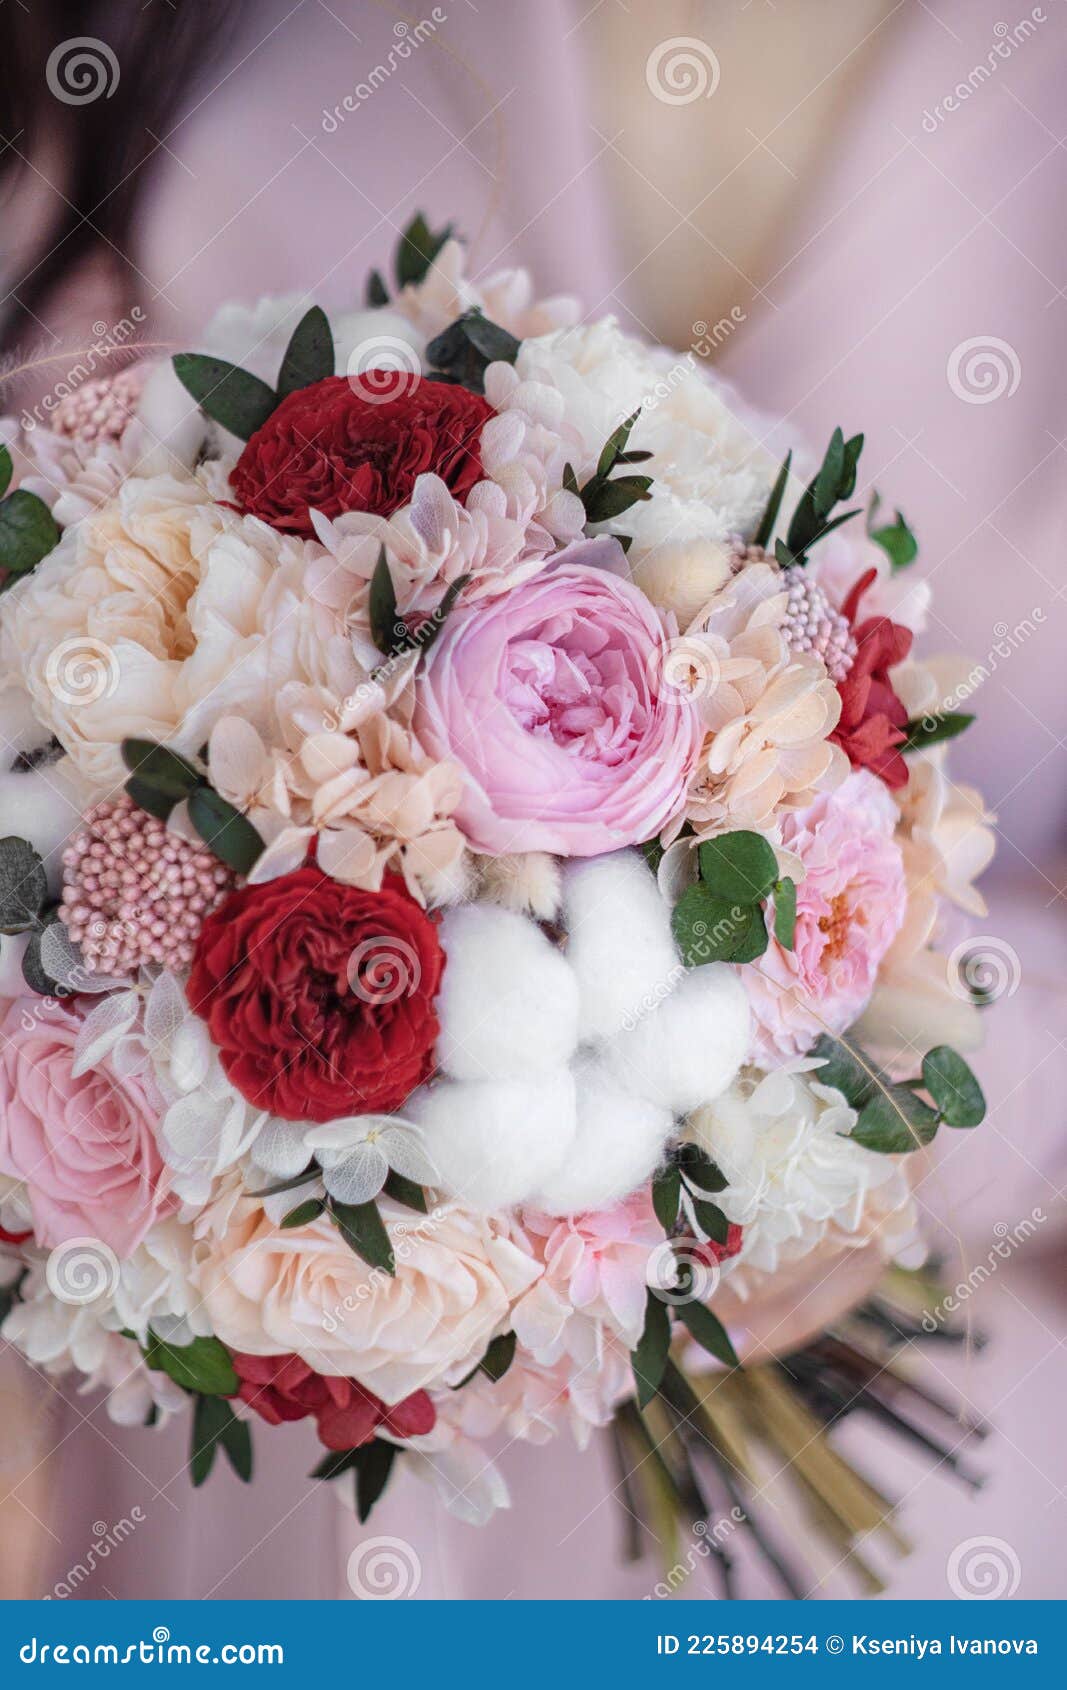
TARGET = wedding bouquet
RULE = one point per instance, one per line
(477, 843)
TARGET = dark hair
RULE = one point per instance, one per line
(144, 60)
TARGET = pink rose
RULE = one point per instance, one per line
(85, 1146)
(850, 906)
(555, 700)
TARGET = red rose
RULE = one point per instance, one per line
(711, 1252)
(331, 448)
(320, 996)
(284, 1388)
(872, 717)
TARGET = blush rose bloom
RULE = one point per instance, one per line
(85, 1146)
(557, 700)
(850, 907)
(303, 1290)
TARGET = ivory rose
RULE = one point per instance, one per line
(556, 702)
(303, 1290)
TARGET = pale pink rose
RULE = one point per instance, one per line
(850, 906)
(555, 700)
(595, 1267)
(272, 1291)
(85, 1146)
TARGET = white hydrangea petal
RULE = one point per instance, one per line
(403, 1146)
(358, 1177)
(103, 1027)
(281, 1149)
(166, 1012)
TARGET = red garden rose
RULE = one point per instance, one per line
(873, 719)
(320, 996)
(332, 447)
(284, 1388)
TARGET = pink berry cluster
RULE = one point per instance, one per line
(99, 410)
(135, 893)
(812, 624)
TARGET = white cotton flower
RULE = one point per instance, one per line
(796, 1178)
(619, 941)
(496, 1141)
(711, 473)
(44, 805)
(508, 1002)
(619, 1139)
(688, 1048)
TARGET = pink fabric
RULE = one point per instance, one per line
(912, 244)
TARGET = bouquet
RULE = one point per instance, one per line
(478, 856)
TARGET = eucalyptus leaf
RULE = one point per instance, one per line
(405, 1191)
(953, 1087)
(309, 356)
(363, 1230)
(498, 1357)
(304, 1213)
(666, 1196)
(895, 1122)
(739, 867)
(389, 631)
(709, 1332)
(713, 1223)
(224, 830)
(931, 730)
(785, 913)
(157, 766)
(204, 1365)
(373, 1464)
(419, 245)
(230, 396)
(28, 532)
(708, 929)
(23, 885)
(698, 1169)
(650, 1357)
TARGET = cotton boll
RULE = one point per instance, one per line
(493, 1142)
(528, 883)
(688, 1049)
(620, 1140)
(619, 941)
(44, 806)
(508, 1003)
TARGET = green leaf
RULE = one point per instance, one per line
(389, 631)
(498, 1357)
(28, 532)
(785, 913)
(224, 830)
(711, 1220)
(463, 351)
(417, 249)
(204, 1365)
(496, 345)
(836, 480)
(765, 527)
(149, 798)
(287, 1184)
(304, 1213)
(377, 293)
(897, 541)
(229, 395)
(215, 1425)
(331, 1466)
(953, 1087)
(708, 929)
(895, 1122)
(33, 971)
(709, 1332)
(845, 1072)
(428, 632)
(930, 730)
(23, 885)
(666, 1196)
(740, 867)
(405, 1191)
(698, 1169)
(363, 1230)
(615, 444)
(650, 1357)
(605, 500)
(373, 1464)
(157, 766)
(7, 470)
(309, 356)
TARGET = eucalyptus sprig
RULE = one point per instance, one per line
(892, 1116)
(416, 250)
(242, 402)
(812, 520)
(722, 917)
(607, 495)
(28, 530)
(161, 777)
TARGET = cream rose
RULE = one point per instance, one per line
(156, 615)
(271, 1291)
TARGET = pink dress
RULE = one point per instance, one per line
(915, 244)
